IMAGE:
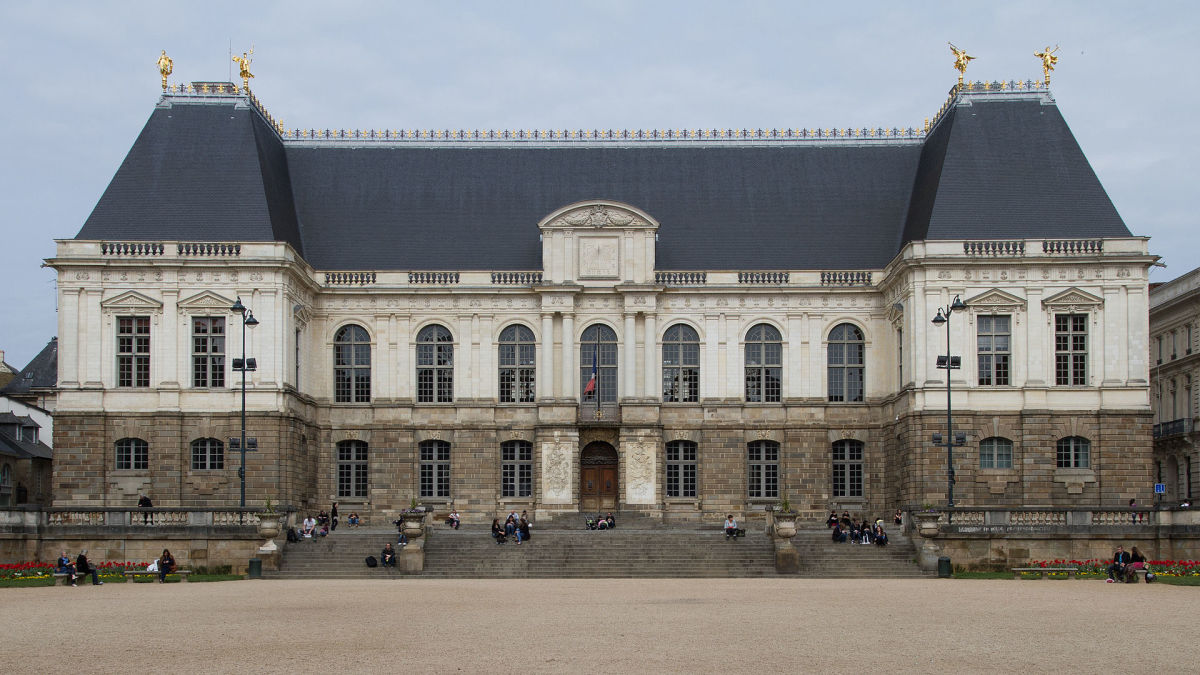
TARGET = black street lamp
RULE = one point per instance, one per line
(949, 363)
(243, 365)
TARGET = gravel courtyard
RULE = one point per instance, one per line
(603, 626)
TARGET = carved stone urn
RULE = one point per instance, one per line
(414, 524)
(268, 525)
(785, 525)
(927, 527)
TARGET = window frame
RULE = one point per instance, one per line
(212, 453)
(353, 468)
(681, 364)
(435, 364)
(136, 457)
(516, 365)
(848, 455)
(516, 469)
(209, 361)
(993, 365)
(681, 467)
(133, 352)
(1073, 452)
(992, 451)
(762, 360)
(843, 366)
(599, 339)
(1070, 360)
(351, 375)
(762, 469)
(434, 469)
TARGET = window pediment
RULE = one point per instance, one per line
(131, 302)
(1072, 299)
(995, 300)
(206, 301)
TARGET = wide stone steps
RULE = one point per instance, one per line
(576, 553)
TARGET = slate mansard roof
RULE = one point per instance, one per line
(1002, 165)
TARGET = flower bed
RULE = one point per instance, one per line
(1166, 568)
(40, 570)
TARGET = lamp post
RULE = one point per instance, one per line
(949, 363)
(243, 365)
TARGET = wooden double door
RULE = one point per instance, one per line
(598, 478)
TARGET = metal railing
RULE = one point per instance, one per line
(1173, 428)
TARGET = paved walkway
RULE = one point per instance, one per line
(603, 626)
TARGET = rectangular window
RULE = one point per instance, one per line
(899, 358)
(763, 464)
(133, 351)
(681, 469)
(516, 469)
(995, 453)
(435, 469)
(1070, 349)
(208, 352)
(994, 343)
(132, 453)
(208, 454)
(517, 373)
(352, 469)
(848, 468)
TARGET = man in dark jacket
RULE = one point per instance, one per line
(387, 558)
(83, 567)
(145, 503)
(1120, 560)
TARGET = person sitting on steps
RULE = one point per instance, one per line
(453, 519)
(839, 535)
(497, 531)
(731, 527)
(387, 557)
(612, 522)
(601, 523)
(832, 519)
(880, 536)
(352, 520)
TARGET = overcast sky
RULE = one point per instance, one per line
(79, 81)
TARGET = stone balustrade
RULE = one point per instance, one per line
(998, 519)
(147, 518)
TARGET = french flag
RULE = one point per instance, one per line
(590, 387)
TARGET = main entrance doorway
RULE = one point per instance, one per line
(598, 477)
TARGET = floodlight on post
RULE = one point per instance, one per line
(949, 363)
(243, 365)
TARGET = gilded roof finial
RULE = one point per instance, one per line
(961, 58)
(243, 62)
(165, 67)
(1049, 60)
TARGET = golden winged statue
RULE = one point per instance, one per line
(165, 67)
(1049, 60)
(243, 62)
(961, 58)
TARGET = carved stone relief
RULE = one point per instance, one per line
(639, 473)
(598, 257)
(556, 472)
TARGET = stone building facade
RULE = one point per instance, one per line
(678, 323)
(1174, 373)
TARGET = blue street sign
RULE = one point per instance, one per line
(1160, 488)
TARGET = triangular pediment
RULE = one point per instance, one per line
(131, 301)
(1073, 297)
(207, 300)
(599, 214)
(995, 299)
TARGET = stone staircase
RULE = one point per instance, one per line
(564, 550)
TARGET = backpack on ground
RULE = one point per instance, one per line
(372, 562)
(292, 536)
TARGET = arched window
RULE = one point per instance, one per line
(764, 364)
(846, 350)
(435, 365)
(352, 468)
(352, 365)
(207, 454)
(848, 468)
(762, 460)
(598, 348)
(1074, 452)
(133, 453)
(516, 469)
(681, 365)
(435, 468)
(518, 361)
(995, 453)
(681, 469)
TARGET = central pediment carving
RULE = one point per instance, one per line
(598, 214)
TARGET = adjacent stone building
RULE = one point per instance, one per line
(682, 323)
(1174, 372)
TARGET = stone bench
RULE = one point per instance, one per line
(1018, 571)
(132, 574)
(63, 579)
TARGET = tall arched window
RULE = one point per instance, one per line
(352, 365)
(518, 360)
(995, 453)
(598, 346)
(846, 351)
(207, 454)
(435, 365)
(352, 468)
(681, 364)
(133, 453)
(1074, 452)
(764, 364)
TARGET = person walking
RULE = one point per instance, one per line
(333, 517)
